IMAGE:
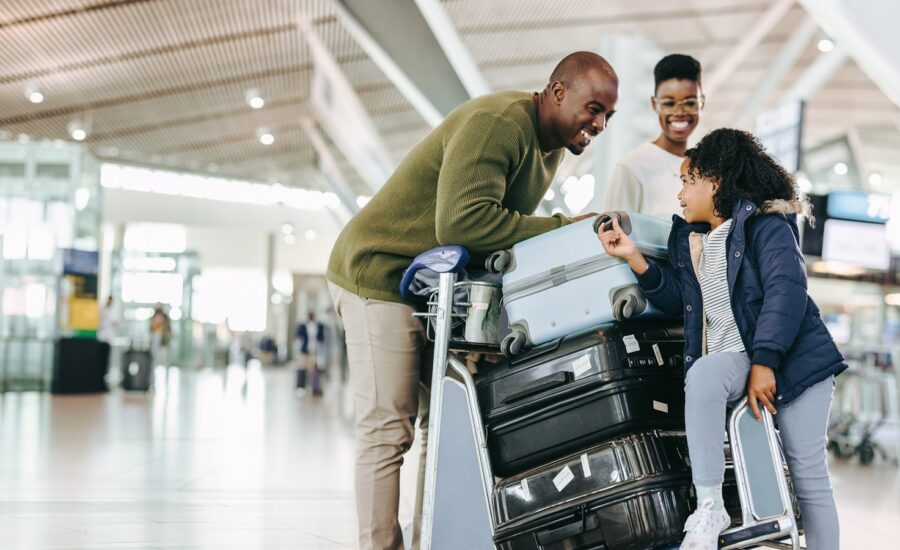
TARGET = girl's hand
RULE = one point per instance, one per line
(618, 244)
(761, 387)
(615, 242)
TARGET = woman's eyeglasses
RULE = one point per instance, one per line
(666, 106)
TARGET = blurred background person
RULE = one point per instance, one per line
(160, 335)
(310, 338)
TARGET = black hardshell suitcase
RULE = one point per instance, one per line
(629, 493)
(626, 494)
(582, 390)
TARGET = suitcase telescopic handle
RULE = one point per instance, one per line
(605, 220)
(538, 386)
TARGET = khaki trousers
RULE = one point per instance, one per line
(385, 350)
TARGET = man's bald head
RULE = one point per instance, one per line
(575, 65)
(577, 103)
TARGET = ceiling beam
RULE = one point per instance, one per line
(783, 62)
(749, 40)
(340, 112)
(456, 51)
(868, 30)
(328, 168)
(428, 61)
(816, 75)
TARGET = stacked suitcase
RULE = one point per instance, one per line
(585, 418)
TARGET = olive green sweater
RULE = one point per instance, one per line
(474, 180)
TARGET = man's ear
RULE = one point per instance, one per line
(557, 91)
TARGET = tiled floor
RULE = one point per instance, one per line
(232, 459)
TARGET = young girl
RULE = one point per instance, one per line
(737, 275)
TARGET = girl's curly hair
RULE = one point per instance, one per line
(743, 169)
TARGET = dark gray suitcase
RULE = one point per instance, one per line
(630, 493)
(582, 390)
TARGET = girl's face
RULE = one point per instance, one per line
(696, 196)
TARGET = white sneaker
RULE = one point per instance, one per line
(704, 526)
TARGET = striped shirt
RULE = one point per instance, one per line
(721, 331)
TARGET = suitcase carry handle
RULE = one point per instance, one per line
(541, 384)
(605, 220)
(577, 527)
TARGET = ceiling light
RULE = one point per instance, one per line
(549, 195)
(265, 136)
(840, 169)
(254, 98)
(826, 45)
(290, 239)
(287, 229)
(362, 200)
(804, 184)
(892, 299)
(310, 234)
(34, 94)
(77, 130)
(874, 178)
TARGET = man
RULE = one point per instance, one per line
(474, 181)
(648, 178)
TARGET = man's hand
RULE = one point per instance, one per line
(585, 216)
(761, 387)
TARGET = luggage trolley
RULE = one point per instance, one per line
(456, 508)
(458, 503)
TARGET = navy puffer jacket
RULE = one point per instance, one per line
(780, 325)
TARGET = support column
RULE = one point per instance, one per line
(270, 272)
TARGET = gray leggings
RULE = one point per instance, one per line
(721, 378)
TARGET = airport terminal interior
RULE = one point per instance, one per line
(175, 173)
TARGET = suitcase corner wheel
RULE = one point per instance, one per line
(498, 261)
(513, 343)
(627, 303)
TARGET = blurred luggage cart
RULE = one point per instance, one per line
(865, 414)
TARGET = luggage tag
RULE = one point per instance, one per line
(585, 465)
(581, 366)
(563, 478)
(658, 354)
(526, 492)
(631, 344)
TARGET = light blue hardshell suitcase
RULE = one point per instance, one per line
(562, 282)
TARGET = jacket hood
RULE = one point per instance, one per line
(785, 207)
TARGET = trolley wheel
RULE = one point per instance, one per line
(498, 261)
(513, 343)
(835, 449)
(866, 454)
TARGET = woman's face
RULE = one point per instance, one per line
(696, 196)
(677, 104)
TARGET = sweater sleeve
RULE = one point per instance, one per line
(623, 191)
(478, 160)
